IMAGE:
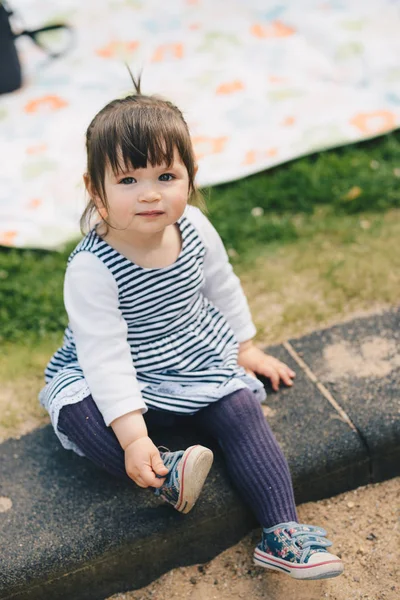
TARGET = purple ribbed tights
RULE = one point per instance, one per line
(253, 457)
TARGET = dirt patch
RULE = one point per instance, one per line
(376, 357)
(21, 379)
(5, 503)
(364, 526)
(20, 409)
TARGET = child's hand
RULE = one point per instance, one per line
(255, 361)
(143, 462)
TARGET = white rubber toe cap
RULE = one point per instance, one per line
(322, 557)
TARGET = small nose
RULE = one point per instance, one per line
(149, 194)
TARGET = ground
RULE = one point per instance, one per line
(315, 242)
(364, 525)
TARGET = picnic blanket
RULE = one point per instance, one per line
(260, 82)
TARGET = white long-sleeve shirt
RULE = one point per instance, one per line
(100, 331)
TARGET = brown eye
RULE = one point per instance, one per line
(166, 177)
(127, 180)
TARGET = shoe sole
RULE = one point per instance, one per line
(196, 463)
(322, 570)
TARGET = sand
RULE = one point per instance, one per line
(364, 526)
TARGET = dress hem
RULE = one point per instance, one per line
(75, 393)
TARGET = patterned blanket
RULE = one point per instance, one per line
(260, 83)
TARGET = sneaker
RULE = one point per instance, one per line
(187, 473)
(299, 550)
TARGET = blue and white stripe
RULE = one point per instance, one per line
(183, 349)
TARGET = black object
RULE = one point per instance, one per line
(10, 67)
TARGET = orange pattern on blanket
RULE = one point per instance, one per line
(166, 50)
(117, 48)
(271, 152)
(230, 87)
(34, 203)
(276, 79)
(288, 121)
(250, 158)
(8, 238)
(36, 149)
(376, 121)
(50, 101)
(204, 145)
(253, 156)
(276, 29)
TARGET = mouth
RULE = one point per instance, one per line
(151, 213)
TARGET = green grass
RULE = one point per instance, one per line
(31, 300)
(299, 200)
(346, 265)
(350, 180)
(324, 247)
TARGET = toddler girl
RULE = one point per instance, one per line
(160, 332)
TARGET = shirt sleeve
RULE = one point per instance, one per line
(100, 333)
(222, 286)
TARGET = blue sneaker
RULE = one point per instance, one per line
(187, 473)
(298, 550)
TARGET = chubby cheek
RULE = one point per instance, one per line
(179, 201)
(121, 209)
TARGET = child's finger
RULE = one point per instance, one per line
(284, 375)
(288, 370)
(148, 476)
(158, 466)
(281, 365)
(158, 482)
(274, 377)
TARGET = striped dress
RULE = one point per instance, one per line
(182, 347)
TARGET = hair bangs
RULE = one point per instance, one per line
(144, 137)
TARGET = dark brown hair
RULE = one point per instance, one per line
(134, 131)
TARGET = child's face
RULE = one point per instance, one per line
(136, 193)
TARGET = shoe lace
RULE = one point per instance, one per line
(308, 538)
(170, 460)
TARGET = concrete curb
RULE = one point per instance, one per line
(75, 532)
